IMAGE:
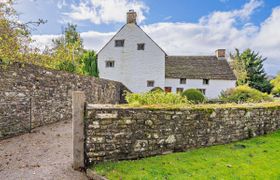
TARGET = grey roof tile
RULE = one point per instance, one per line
(198, 67)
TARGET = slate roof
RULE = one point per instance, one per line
(198, 67)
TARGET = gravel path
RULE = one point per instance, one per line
(44, 154)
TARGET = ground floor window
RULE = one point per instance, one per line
(110, 64)
(179, 90)
(168, 89)
(183, 81)
(150, 83)
(205, 81)
(203, 91)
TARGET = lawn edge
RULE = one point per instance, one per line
(91, 174)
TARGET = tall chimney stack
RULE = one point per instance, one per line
(220, 54)
(131, 16)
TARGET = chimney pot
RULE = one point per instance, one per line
(131, 16)
(221, 54)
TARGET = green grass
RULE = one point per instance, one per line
(257, 158)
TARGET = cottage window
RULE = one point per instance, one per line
(110, 64)
(205, 81)
(183, 81)
(203, 91)
(119, 43)
(179, 90)
(150, 83)
(168, 89)
(140, 46)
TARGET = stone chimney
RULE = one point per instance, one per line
(131, 16)
(220, 54)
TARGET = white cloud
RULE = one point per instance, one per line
(43, 41)
(61, 3)
(95, 40)
(109, 11)
(217, 30)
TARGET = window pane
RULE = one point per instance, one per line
(205, 81)
(141, 46)
(150, 83)
(183, 81)
(110, 63)
(119, 43)
(179, 90)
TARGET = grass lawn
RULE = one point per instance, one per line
(257, 158)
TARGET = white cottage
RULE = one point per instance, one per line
(133, 58)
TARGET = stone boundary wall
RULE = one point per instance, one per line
(113, 133)
(50, 91)
(15, 116)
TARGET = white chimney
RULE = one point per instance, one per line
(220, 54)
(131, 16)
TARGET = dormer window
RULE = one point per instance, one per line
(119, 43)
(140, 46)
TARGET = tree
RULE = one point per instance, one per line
(68, 50)
(66, 53)
(69, 54)
(249, 68)
(14, 35)
(239, 68)
(90, 63)
(276, 85)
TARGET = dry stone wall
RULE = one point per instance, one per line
(130, 133)
(50, 93)
(15, 116)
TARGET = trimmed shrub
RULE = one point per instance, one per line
(243, 94)
(155, 97)
(194, 95)
(157, 89)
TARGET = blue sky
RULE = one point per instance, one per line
(181, 27)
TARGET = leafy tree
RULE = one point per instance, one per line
(14, 35)
(249, 68)
(90, 63)
(276, 85)
(239, 68)
(68, 50)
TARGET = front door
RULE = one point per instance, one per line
(168, 89)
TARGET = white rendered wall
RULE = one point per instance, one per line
(213, 89)
(133, 67)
